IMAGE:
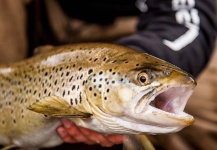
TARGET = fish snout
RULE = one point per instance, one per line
(183, 79)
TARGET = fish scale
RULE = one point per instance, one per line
(96, 85)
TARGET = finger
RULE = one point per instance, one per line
(64, 135)
(96, 137)
(75, 132)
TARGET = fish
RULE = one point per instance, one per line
(104, 87)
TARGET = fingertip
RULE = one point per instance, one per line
(61, 131)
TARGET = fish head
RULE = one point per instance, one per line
(142, 94)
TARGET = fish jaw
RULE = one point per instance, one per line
(165, 117)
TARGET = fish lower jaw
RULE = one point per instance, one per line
(169, 119)
(147, 128)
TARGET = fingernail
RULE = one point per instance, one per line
(62, 132)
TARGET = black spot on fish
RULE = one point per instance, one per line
(95, 94)
(80, 97)
(105, 98)
(126, 62)
(113, 73)
(71, 101)
(62, 74)
(90, 71)
(94, 80)
(14, 121)
(67, 73)
(81, 76)
(137, 65)
(100, 72)
(73, 87)
(113, 82)
(76, 101)
(55, 83)
(63, 93)
(104, 59)
(61, 68)
(107, 90)
(110, 70)
(90, 88)
(80, 69)
(71, 79)
(95, 59)
(45, 74)
(121, 79)
(100, 86)
(45, 91)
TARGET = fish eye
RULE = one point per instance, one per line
(143, 78)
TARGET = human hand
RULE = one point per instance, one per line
(70, 133)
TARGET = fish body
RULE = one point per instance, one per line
(103, 87)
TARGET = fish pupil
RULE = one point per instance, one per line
(142, 79)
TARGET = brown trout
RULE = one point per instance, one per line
(104, 87)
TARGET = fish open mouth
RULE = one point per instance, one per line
(166, 103)
(172, 100)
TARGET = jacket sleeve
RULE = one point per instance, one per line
(181, 32)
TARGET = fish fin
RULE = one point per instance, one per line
(7, 147)
(137, 142)
(43, 49)
(56, 107)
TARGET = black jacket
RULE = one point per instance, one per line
(180, 32)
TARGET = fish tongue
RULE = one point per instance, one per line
(137, 142)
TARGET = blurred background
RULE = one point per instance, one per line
(26, 24)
